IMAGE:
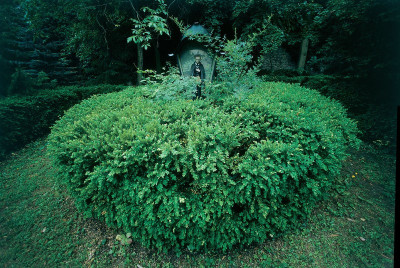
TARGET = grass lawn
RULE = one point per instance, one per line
(40, 226)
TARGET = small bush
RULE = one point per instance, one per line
(43, 81)
(21, 83)
(25, 118)
(205, 174)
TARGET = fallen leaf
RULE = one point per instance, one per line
(91, 254)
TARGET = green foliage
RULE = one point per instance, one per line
(24, 119)
(287, 21)
(21, 83)
(43, 81)
(5, 76)
(373, 111)
(236, 72)
(235, 75)
(364, 43)
(345, 36)
(249, 162)
(32, 201)
(152, 24)
(211, 13)
(88, 35)
(202, 175)
(124, 239)
(169, 85)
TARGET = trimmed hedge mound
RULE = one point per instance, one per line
(23, 119)
(190, 174)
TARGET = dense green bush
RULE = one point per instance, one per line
(25, 118)
(205, 174)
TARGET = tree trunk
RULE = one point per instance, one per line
(303, 54)
(158, 59)
(139, 63)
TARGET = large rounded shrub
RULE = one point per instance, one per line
(193, 174)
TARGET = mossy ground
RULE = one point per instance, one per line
(40, 227)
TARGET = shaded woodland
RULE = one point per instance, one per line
(287, 161)
(53, 43)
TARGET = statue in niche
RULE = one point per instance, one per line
(197, 70)
(190, 52)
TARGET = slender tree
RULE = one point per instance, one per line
(148, 24)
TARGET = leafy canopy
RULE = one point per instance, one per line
(152, 24)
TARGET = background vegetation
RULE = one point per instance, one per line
(86, 39)
(45, 44)
(26, 118)
(53, 54)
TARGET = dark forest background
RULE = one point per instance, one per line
(65, 42)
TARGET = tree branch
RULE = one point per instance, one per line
(134, 9)
(170, 4)
(105, 33)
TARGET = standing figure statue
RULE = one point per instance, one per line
(197, 70)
